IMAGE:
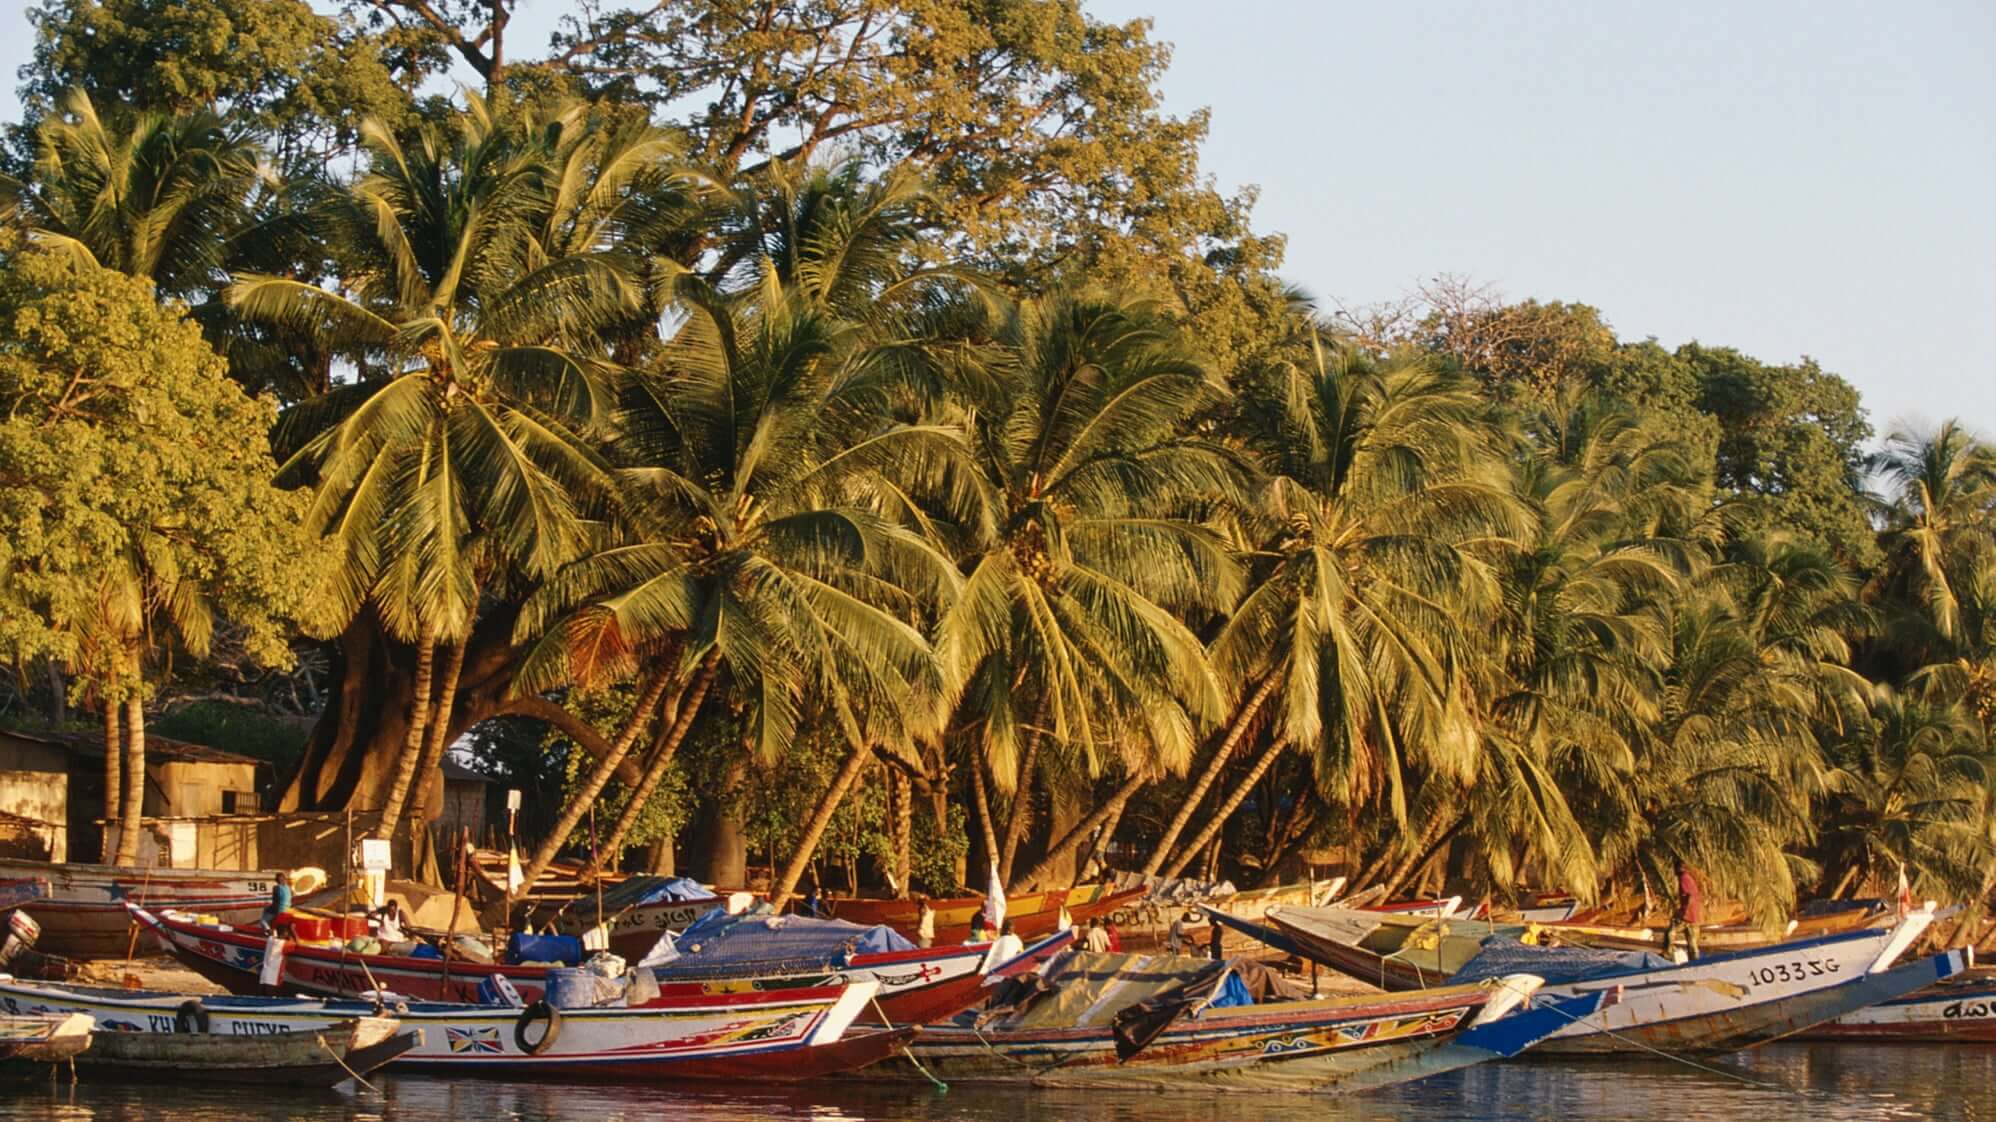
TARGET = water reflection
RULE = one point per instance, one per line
(1827, 1082)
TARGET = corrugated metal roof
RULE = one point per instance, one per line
(158, 748)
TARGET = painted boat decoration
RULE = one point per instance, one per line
(321, 1057)
(793, 1034)
(29, 1042)
(913, 986)
(16, 891)
(1959, 1010)
(82, 913)
(1136, 1021)
(1722, 1003)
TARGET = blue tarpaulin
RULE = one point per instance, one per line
(721, 944)
(1557, 965)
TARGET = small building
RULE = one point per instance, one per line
(466, 796)
(56, 779)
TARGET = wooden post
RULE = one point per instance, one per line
(457, 900)
(595, 860)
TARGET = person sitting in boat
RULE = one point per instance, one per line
(1009, 946)
(1690, 910)
(280, 902)
(388, 922)
(1214, 941)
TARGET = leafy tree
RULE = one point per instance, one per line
(135, 497)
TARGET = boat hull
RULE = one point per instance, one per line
(1292, 1046)
(83, 914)
(724, 1036)
(1945, 1014)
(1731, 1002)
(319, 1058)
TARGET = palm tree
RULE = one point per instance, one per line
(1070, 625)
(156, 196)
(480, 272)
(756, 460)
(1938, 529)
(1381, 494)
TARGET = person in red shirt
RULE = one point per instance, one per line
(1690, 909)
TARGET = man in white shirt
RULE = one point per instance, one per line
(1098, 937)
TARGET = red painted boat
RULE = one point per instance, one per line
(81, 908)
(915, 986)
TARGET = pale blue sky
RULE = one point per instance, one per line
(1788, 178)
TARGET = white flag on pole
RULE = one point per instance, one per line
(994, 903)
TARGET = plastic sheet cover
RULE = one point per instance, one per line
(1557, 965)
(639, 891)
(719, 944)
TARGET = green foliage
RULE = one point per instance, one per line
(134, 477)
(236, 728)
(934, 852)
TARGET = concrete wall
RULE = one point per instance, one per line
(194, 790)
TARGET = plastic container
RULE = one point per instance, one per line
(572, 988)
(565, 949)
(308, 929)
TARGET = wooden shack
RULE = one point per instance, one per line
(466, 800)
(57, 779)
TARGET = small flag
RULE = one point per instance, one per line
(994, 902)
(1905, 892)
(514, 878)
(1066, 921)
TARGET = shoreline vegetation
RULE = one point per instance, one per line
(861, 443)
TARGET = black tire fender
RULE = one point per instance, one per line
(190, 1017)
(538, 1011)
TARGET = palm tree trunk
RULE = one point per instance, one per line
(901, 805)
(661, 760)
(815, 829)
(135, 772)
(1438, 834)
(1103, 816)
(1022, 806)
(1221, 755)
(114, 784)
(983, 810)
(578, 806)
(437, 737)
(1226, 809)
(412, 741)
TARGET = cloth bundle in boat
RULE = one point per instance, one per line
(1503, 955)
(582, 988)
(718, 944)
(636, 892)
(565, 949)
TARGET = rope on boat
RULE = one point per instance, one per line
(1685, 1060)
(341, 1060)
(942, 1088)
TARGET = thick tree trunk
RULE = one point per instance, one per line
(412, 737)
(1101, 817)
(134, 778)
(724, 845)
(661, 758)
(436, 736)
(1226, 809)
(814, 830)
(901, 806)
(1022, 805)
(578, 806)
(983, 803)
(1214, 765)
(114, 782)
(659, 857)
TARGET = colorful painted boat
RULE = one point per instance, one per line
(1723, 1003)
(321, 1057)
(744, 1034)
(1031, 914)
(913, 987)
(30, 1042)
(83, 913)
(1137, 1021)
(1393, 951)
(1959, 1010)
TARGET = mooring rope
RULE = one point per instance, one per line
(942, 1088)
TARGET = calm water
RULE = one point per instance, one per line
(1830, 1082)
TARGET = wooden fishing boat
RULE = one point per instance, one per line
(1959, 1010)
(1721, 937)
(18, 891)
(1393, 951)
(734, 1033)
(320, 1057)
(1031, 914)
(913, 987)
(82, 913)
(1134, 1021)
(31, 1041)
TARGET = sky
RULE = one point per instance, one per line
(1787, 178)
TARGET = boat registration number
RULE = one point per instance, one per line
(1797, 970)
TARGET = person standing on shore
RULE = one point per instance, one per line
(1098, 937)
(1174, 940)
(1690, 910)
(925, 924)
